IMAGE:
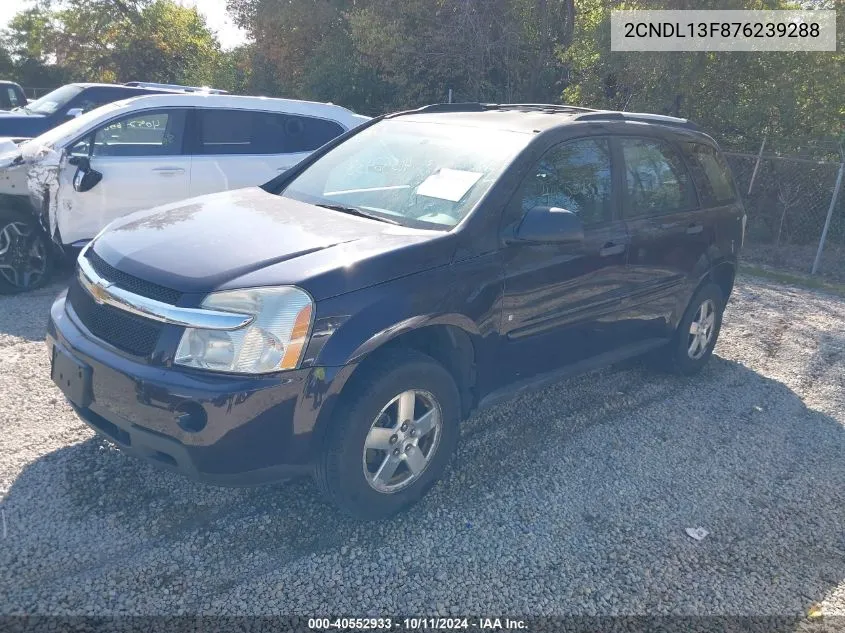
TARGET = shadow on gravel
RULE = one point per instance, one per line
(16, 311)
(574, 499)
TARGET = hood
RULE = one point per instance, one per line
(18, 114)
(248, 237)
(9, 153)
(12, 154)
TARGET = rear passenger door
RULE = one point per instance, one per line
(243, 148)
(669, 232)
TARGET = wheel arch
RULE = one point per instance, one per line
(443, 339)
(447, 343)
(723, 274)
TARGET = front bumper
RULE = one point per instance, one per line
(221, 429)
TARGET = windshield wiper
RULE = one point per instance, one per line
(359, 212)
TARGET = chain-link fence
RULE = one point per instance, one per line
(793, 207)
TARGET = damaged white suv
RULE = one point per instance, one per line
(58, 190)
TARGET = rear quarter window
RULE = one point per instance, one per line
(711, 174)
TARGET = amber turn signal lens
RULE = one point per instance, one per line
(298, 338)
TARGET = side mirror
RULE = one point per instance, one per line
(550, 225)
(73, 113)
(85, 178)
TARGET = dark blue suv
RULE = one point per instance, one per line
(344, 318)
(63, 104)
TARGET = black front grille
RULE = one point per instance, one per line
(129, 282)
(124, 331)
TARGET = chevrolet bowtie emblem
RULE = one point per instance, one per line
(96, 289)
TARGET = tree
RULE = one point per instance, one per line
(737, 96)
(116, 41)
(381, 54)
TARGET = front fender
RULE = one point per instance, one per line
(466, 295)
(349, 327)
(391, 332)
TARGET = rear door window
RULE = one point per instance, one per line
(711, 174)
(656, 179)
(249, 132)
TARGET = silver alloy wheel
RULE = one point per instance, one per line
(23, 255)
(701, 329)
(402, 441)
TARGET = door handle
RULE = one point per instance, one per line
(612, 249)
(168, 171)
(694, 229)
(284, 167)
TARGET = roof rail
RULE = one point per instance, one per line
(640, 117)
(150, 84)
(543, 107)
(473, 106)
(451, 107)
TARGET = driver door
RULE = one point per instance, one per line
(142, 159)
(562, 301)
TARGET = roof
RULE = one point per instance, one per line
(530, 117)
(269, 104)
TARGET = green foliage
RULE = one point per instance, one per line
(378, 55)
(112, 41)
(374, 55)
(739, 96)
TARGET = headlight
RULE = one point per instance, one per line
(273, 341)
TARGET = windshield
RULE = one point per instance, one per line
(428, 175)
(52, 101)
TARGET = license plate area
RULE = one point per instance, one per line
(72, 376)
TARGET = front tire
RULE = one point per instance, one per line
(392, 438)
(26, 253)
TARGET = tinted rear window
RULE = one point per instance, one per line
(711, 174)
(246, 132)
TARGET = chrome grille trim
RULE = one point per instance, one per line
(105, 292)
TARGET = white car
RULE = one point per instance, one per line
(60, 189)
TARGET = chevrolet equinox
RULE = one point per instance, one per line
(343, 319)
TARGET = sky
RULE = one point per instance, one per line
(213, 10)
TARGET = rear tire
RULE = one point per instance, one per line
(26, 253)
(392, 436)
(697, 333)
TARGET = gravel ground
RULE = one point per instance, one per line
(572, 500)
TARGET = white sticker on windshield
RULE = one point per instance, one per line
(448, 184)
